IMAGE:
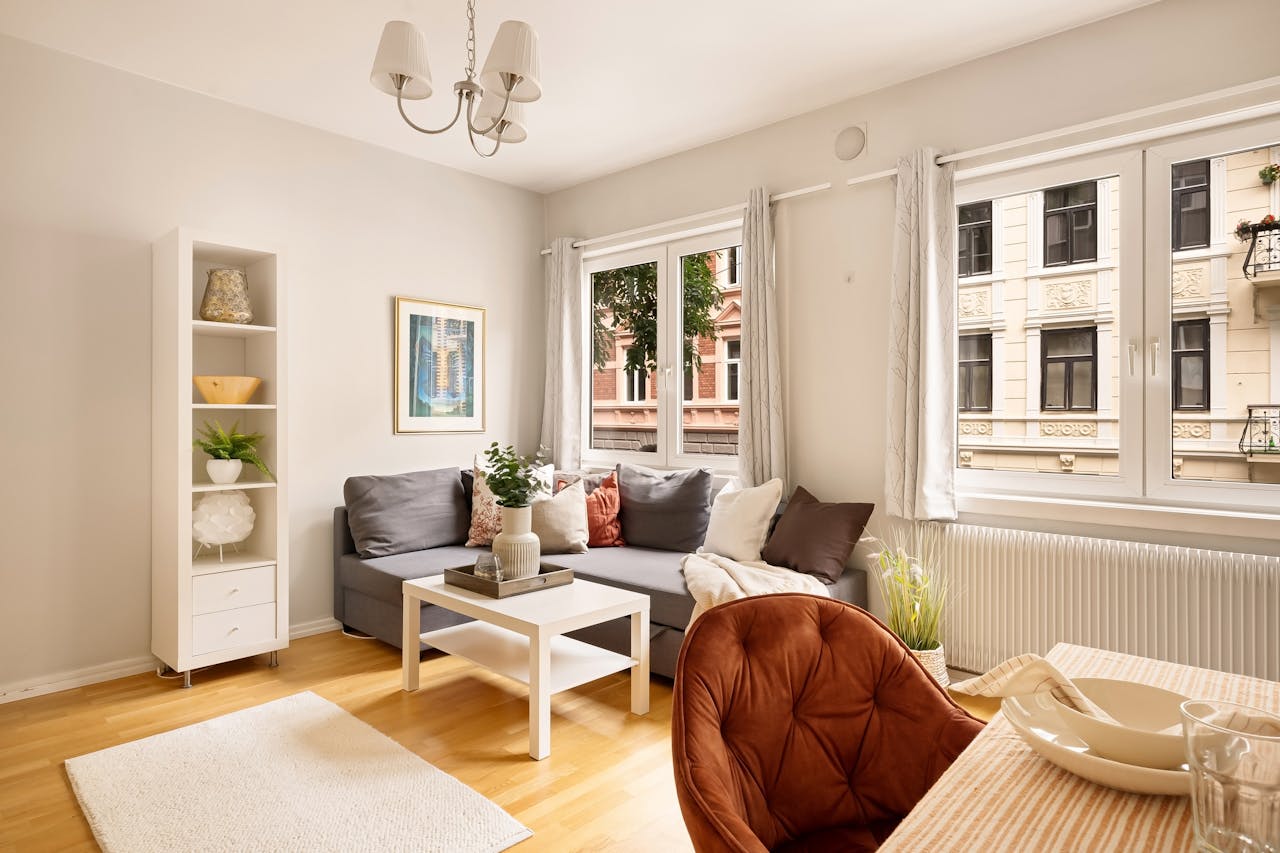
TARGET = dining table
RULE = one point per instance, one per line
(999, 795)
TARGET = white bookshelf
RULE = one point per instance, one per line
(206, 610)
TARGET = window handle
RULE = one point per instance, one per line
(1133, 355)
(1155, 356)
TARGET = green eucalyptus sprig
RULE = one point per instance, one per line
(230, 444)
(512, 478)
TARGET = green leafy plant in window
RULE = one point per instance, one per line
(222, 443)
(912, 584)
(512, 478)
(1270, 173)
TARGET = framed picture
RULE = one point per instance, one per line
(439, 367)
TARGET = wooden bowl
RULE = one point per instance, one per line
(227, 390)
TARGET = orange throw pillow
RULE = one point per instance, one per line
(603, 528)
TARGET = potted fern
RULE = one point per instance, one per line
(914, 590)
(229, 450)
(514, 481)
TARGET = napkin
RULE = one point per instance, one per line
(1025, 674)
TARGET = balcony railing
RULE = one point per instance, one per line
(1260, 441)
(1264, 250)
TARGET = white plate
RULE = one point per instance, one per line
(1035, 718)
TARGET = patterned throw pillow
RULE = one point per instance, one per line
(486, 515)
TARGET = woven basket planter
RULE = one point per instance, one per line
(935, 662)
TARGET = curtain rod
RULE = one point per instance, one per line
(694, 217)
(1112, 142)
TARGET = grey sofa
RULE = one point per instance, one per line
(367, 597)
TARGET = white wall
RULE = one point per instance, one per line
(834, 247)
(94, 165)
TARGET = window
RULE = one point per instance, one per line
(1191, 205)
(974, 239)
(1191, 365)
(1071, 224)
(659, 317)
(732, 364)
(1068, 370)
(973, 377)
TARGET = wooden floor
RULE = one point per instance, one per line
(606, 786)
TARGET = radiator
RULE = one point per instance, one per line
(1014, 591)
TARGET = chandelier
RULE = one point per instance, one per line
(494, 104)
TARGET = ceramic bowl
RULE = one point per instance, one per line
(1147, 731)
(227, 390)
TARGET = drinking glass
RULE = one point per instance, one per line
(489, 567)
(1233, 752)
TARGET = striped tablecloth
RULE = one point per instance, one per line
(1001, 796)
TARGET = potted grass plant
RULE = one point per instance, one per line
(514, 481)
(230, 449)
(914, 590)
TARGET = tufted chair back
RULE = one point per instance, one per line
(802, 723)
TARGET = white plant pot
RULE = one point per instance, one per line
(517, 546)
(935, 662)
(223, 471)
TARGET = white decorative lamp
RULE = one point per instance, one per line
(511, 76)
(222, 518)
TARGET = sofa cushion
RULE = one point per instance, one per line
(667, 510)
(816, 537)
(647, 570)
(740, 520)
(381, 577)
(406, 512)
(560, 521)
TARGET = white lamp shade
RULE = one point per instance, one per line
(514, 51)
(512, 128)
(403, 50)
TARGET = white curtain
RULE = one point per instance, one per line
(762, 445)
(566, 328)
(919, 477)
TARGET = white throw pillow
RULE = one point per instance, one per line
(561, 521)
(740, 521)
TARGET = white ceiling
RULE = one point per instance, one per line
(623, 82)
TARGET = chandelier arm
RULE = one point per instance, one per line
(472, 136)
(506, 104)
(400, 104)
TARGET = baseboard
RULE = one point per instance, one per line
(120, 669)
(316, 626)
(73, 678)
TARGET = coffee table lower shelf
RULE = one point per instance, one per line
(507, 653)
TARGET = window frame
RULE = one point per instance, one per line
(736, 362)
(964, 368)
(1176, 240)
(1067, 212)
(669, 376)
(1176, 356)
(963, 230)
(1068, 382)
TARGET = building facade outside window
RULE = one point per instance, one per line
(1071, 224)
(1191, 365)
(1069, 370)
(973, 375)
(974, 239)
(1191, 205)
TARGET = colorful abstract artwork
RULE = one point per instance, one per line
(439, 367)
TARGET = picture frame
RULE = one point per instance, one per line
(439, 367)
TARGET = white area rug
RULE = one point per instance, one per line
(299, 773)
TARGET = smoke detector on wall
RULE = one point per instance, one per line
(851, 142)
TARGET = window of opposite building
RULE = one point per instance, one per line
(732, 366)
(1191, 205)
(974, 239)
(1071, 224)
(973, 378)
(1069, 370)
(1191, 365)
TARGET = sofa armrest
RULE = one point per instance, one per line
(342, 544)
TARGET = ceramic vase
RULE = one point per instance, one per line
(223, 471)
(935, 662)
(226, 298)
(517, 546)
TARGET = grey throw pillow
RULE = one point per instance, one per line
(406, 512)
(668, 510)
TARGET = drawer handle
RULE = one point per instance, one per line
(234, 590)
(234, 628)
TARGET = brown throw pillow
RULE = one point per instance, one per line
(815, 537)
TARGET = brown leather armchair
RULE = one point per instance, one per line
(800, 723)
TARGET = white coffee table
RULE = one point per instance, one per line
(522, 638)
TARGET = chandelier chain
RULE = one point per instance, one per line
(471, 39)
